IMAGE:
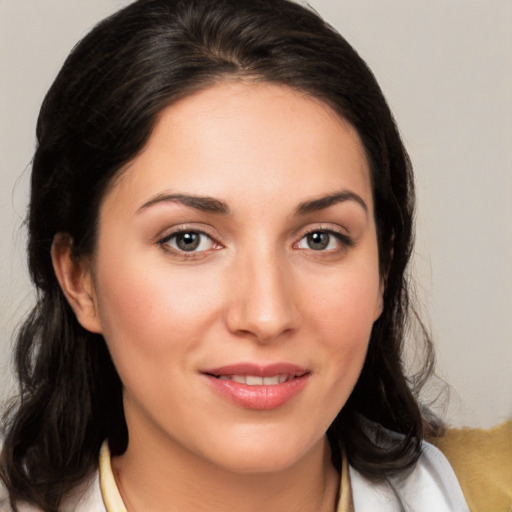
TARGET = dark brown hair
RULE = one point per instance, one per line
(97, 116)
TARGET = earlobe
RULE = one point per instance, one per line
(75, 279)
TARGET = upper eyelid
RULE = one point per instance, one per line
(176, 230)
(173, 234)
(325, 229)
(339, 230)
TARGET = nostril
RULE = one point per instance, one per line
(261, 304)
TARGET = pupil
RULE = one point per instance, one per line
(188, 241)
(318, 241)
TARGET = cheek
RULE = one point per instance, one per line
(148, 312)
(342, 311)
(345, 305)
(340, 323)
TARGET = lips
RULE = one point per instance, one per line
(254, 380)
(258, 387)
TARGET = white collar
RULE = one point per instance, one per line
(430, 486)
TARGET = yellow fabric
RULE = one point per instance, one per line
(345, 502)
(482, 462)
(109, 491)
(481, 459)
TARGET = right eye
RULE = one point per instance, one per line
(188, 241)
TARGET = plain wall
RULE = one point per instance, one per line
(445, 67)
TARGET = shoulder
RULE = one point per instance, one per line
(4, 498)
(86, 497)
(482, 461)
(5, 504)
(429, 485)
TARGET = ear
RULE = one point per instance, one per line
(75, 279)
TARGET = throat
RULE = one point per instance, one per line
(306, 488)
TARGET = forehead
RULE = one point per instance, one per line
(246, 138)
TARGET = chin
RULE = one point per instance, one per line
(264, 455)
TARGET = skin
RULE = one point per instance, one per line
(255, 290)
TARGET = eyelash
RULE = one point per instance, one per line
(345, 241)
(187, 255)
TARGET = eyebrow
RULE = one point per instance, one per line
(324, 202)
(202, 203)
(212, 205)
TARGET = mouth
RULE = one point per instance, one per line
(255, 380)
(258, 387)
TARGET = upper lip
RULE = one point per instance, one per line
(258, 370)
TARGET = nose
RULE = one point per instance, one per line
(263, 303)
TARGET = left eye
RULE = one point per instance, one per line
(320, 241)
(189, 241)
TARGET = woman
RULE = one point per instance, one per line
(220, 223)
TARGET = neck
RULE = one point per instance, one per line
(161, 478)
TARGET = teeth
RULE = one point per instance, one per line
(253, 380)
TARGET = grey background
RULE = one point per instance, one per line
(446, 69)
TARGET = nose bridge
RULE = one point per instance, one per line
(263, 304)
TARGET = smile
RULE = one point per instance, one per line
(258, 387)
(254, 380)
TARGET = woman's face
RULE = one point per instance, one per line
(235, 278)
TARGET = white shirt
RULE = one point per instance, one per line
(430, 487)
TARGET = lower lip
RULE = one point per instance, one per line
(259, 397)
